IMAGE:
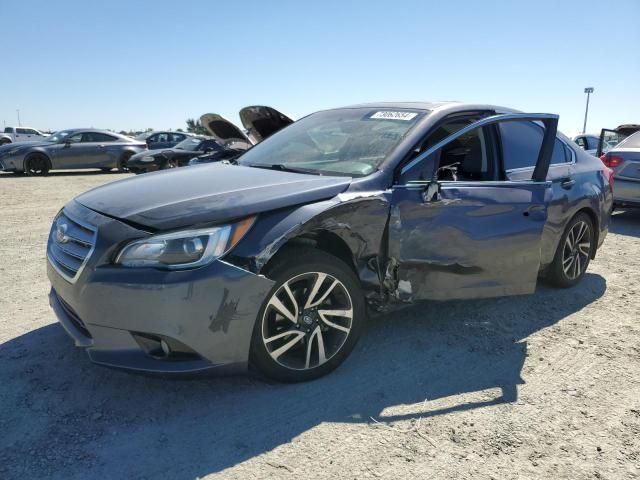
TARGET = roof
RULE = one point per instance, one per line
(409, 105)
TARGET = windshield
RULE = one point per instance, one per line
(191, 144)
(350, 142)
(57, 137)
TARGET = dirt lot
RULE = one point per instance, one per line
(542, 386)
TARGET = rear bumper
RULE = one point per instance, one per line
(626, 192)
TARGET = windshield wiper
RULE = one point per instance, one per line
(282, 168)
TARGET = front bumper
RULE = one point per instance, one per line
(118, 314)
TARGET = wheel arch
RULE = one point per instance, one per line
(590, 212)
(354, 231)
(33, 153)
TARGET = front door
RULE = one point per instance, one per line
(469, 231)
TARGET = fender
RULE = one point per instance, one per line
(356, 220)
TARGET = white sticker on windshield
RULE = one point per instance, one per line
(387, 115)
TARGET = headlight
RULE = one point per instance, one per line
(148, 158)
(184, 249)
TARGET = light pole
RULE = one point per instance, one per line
(18, 112)
(588, 91)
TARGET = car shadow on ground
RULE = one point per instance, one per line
(626, 222)
(62, 416)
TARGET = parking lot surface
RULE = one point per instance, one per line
(539, 386)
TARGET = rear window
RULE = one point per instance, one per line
(8, 129)
(632, 141)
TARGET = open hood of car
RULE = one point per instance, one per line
(212, 193)
(262, 121)
(223, 130)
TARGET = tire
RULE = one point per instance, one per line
(296, 356)
(574, 244)
(122, 163)
(37, 164)
(169, 164)
(4, 141)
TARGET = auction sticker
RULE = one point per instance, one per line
(387, 115)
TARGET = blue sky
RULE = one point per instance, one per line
(133, 65)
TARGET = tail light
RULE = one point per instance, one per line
(611, 161)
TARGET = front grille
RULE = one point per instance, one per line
(70, 245)
(74, 318)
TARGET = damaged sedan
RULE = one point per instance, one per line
(275, 259)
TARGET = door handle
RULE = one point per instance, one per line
(567, 183)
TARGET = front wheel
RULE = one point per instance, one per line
(36, 164)
(574, 253)
(311, 318)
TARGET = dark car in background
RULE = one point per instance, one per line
(624, 160)
(70, 149)
(178, 156)
(274, 259)
(159, 139)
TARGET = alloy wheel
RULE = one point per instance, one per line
(36, 166)
(307, 320)
(576, 250)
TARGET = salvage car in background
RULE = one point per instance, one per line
(157, 140)
(70, 149)
(20, 134)
(589, 143)
(178, 156)
(259, 121)
(273, 259)
(227, 141)
(609, 138)
(624, 160)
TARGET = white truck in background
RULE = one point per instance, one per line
(20, 134)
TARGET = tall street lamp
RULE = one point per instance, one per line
(588, 91)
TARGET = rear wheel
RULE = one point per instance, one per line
(37, 164)
(4, 141)
(574, 253)
(311, 318)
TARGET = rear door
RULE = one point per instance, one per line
(469, 231)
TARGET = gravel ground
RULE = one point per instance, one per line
(541, 386)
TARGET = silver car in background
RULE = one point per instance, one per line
(70, 149)
(624, 159)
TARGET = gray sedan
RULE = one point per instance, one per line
(624, 159)
(70, 149)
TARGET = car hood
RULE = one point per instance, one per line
(222, 129)
(23, 145)
(211, 193)
(262, 121)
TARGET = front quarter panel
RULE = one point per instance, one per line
(357, 220)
